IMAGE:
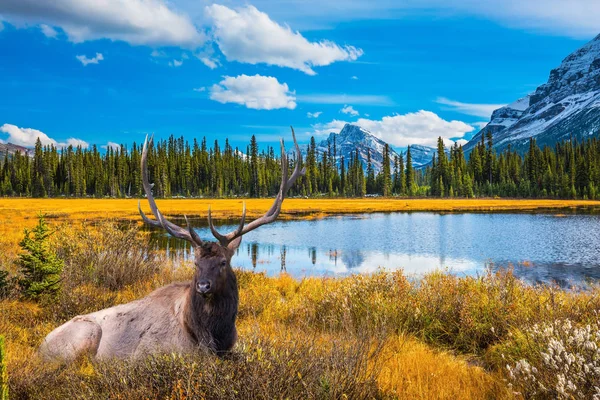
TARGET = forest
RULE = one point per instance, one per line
(179, 168)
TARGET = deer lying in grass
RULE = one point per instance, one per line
(179, 317)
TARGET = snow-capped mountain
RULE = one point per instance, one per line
(421, 155)
(568, 105)
(10, 149)
(353, 137)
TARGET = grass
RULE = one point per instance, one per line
(377, 336)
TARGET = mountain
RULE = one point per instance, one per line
(353, 137)
(421, 155)
(568, 105)
(10, 149)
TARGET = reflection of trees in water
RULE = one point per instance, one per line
(253, 249)
(562, 274)
(313, 255)
(353, 258)
(283, 253)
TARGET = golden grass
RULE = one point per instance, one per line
(15, 213)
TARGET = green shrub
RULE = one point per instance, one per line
(38, 264)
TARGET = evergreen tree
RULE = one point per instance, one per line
(39, 266)
(410, 178)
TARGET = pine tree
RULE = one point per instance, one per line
(410, 178)
(39, 266)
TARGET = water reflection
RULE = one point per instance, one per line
(541, 247)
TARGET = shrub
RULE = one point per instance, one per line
(108, 255)
(561, 361)
(39, 266)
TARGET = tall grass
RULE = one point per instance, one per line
(364, 336)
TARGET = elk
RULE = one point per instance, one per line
(182, 316)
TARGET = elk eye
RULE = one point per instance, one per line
(223, 263)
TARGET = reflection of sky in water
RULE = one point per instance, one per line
(542, 247)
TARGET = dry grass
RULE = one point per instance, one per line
(378, 336)
(15, 213)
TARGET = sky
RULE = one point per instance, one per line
(86, 72)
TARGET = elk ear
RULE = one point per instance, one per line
(234, 244)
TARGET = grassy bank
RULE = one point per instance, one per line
(378, 336)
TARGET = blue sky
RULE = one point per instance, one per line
(87, 72)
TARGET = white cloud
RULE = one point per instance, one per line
(480, 125)
(315, 114)
(363, 99)
(28, 136)
(256, 92)
(176, 63)
(139, 22)
(158, 53)
(211, 63)
(422, 127)
(461, 142)
(200, 89)
(112, 145)
(184, 56)
(349, 110)
(354, 77)
(250, 36)
(575, 18)
(478, 110)
(95, 60)
(324, 129)
(48, 31)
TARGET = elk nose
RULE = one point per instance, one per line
(203, 286)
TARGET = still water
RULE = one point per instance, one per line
(540, 247)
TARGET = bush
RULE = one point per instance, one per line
(109, 255)
(39, 266)
(562, 361)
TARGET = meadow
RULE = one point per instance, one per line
(378, 336)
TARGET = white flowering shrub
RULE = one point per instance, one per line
(566, 366)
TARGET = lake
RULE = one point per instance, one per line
(540, 247)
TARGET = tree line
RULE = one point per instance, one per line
(569, 170)
(180, 168)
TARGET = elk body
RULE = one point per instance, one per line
(179, 317)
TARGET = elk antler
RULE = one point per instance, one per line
(273, 212)
(188, 234)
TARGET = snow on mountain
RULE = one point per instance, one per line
(568, 105)
(11, 149)
(353, 137)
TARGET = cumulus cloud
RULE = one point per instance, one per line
(138, 22)
(476, 109)
(349, 110)
(28, 136)
(256, 92)
(324, 129)
(200, 89)
(421, 127)
(461, 142)
(250, 36)
(315, 114)
(48, 31)
(176, 63)
(94, 60)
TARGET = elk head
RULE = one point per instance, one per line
(213, 259)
